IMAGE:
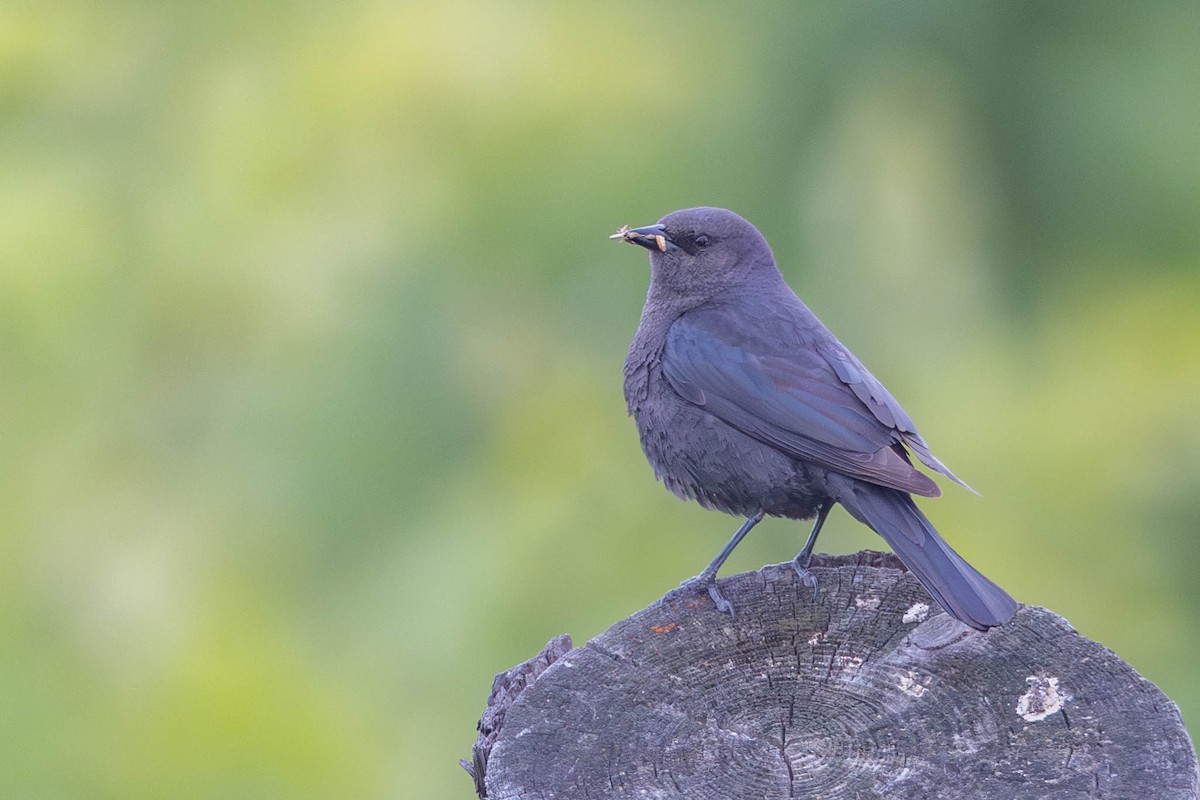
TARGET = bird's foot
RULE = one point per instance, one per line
(708, 583)
(800, 564)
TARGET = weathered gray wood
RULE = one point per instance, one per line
(866, 691)
(506, 688)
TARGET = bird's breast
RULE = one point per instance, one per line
(699, 457)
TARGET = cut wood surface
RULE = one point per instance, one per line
(867, 690)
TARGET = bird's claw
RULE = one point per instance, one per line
(710, 585)
(800, 565)
(723, 605)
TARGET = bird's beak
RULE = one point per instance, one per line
(651, 237)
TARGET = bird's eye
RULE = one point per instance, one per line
(702, 241)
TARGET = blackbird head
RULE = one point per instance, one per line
(701, 251)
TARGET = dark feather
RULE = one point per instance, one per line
(797, 402)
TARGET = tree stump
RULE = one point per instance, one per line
(867, 690)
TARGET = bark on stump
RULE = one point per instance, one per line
(867, 690)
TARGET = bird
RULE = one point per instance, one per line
(747, 404)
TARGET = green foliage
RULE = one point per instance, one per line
(311, 410)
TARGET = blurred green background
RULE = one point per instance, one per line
(311, 343)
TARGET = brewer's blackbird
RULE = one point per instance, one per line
(747, 404)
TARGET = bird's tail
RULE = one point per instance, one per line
(959, 587)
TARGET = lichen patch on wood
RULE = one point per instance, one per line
(1042, 699)
(917, 612)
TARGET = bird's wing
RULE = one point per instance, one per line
(882, 405)
(813, 402)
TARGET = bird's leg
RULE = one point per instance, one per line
(708, 578)
(804, 557)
